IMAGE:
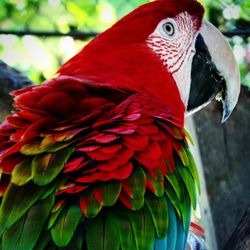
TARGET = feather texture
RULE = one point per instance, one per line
(117, 164)
(65, 225)
(111, 175)
(24, 233)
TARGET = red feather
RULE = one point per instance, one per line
(136, 141)
(121, 158)
(8, 163)
(104, 138)
(122, 173)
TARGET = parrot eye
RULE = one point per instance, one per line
(169, 29)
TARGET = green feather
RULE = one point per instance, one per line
(133, 204)
(135, 185)
(89, 206)
(65, 226)
(157, 184)
(136, 204)
(183, 156)
(16, 201)
(124, 228)
(57, 146)
(53, 217)
(193, 168)
(43, 241)
(188, 136)
(189, 182)
(32, 148)
(169, 190)
(101, 233)
(143, 229)
(48, 141)
(176, 183)
(42, 146)
(53, 186)
(77, 241)
(45, 167)
(22, 173)
(11, 243)
(24, 234)
(111, 234)
(177, 132)
(158, 209)
(107, 193)
(185, 207)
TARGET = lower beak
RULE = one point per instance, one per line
(214, 72)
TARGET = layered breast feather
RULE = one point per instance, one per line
(90, 148)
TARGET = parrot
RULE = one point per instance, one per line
(97, 158)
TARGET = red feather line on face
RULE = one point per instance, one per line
(174, 52)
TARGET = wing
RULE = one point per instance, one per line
(87, 166)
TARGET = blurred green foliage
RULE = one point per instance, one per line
(229, 15)
(40, 57)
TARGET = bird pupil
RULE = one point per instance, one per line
(169, 29)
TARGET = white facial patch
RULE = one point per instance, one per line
(174, 41)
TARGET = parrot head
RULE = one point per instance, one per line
(167, 49)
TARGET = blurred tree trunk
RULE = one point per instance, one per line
(225, 153)
(10, 79)
(240, 240)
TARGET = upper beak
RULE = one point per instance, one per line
(214, 70)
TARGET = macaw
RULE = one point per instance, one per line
(98, 157)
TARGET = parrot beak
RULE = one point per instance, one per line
(214, 72)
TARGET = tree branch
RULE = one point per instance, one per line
(240, 239)
(85, 35)
(236, 32)
(75, 34)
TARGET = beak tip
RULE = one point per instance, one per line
(227, 111)
(229, 103)
(225, 117)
